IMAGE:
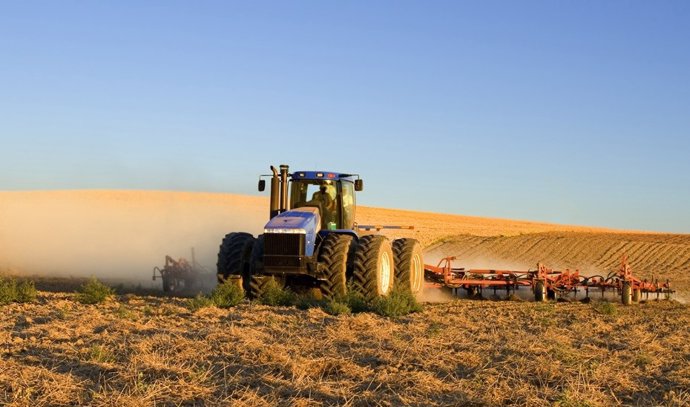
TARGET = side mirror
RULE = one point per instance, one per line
(262, 185)
(359, 185)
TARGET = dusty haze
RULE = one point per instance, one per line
(124, 234)
(117, 234)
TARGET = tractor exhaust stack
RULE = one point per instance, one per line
(275, 193)
(284, 187)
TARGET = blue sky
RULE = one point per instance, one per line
(564, 111)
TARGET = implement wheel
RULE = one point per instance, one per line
(551, 294)
(540, 291)
(168, 284)
(333, 255)
(234, 256)
(373, 274)
(626, 293)
(636, 295)
(409, 264)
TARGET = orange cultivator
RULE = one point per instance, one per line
(544, 282)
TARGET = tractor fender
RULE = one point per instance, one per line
(349, 232)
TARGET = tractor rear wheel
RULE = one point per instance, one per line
(409, 264)
(373, 275)
(234, 256)
(333, 255)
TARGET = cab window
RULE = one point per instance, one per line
(320, 194)
(347, 196)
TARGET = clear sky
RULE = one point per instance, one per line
(564, 111)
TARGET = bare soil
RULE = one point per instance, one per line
(137, 351)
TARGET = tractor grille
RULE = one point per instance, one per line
(279, 244)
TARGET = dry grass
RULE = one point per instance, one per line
(137, 351)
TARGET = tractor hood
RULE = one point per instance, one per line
(306, 221)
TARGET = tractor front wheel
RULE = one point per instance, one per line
(259, 285)
(373, 275)
(234, 256)
(256, 262)
(333, 255)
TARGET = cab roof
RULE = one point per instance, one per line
(322, 175)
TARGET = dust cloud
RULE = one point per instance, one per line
(435, 295)
(117, 235)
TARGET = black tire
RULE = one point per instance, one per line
(333, 255)
(472, 292)
(409, 264)
(636, 295)
(626, 293)
(257, 285)
(256, 261)
(167, 285)
(234, 256)
(540, 291)
(551, 294)
(373, 263)
(190, 283)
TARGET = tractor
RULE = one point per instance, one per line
(311, 243)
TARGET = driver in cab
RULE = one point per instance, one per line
(326, 202)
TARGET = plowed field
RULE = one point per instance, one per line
(145, 351)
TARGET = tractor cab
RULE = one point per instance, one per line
(334, 197)
(333, 194)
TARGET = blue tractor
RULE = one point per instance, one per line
(311, 243)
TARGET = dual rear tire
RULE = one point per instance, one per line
(376, 265)
(333, 254)
(373, 272)
(409, 265)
